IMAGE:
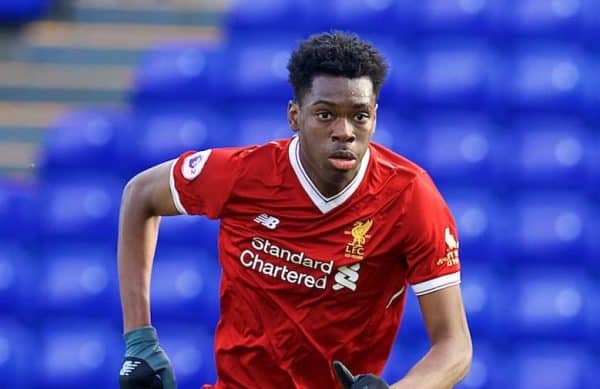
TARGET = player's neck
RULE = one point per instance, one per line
(327, 184)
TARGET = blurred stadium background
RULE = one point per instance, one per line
(498, 99)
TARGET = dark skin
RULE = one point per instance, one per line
(334, 119)
(339, 113)
(336, 114)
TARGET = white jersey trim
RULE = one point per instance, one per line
(324, 204)
(436, 284)
(174, 192)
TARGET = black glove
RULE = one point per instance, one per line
(361, 381)
(137, 374)
(146, 366)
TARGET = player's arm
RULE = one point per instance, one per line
(145, 198)
(449, 357)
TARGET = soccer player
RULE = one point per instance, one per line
(321, 236)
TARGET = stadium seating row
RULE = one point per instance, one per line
(19, 11)
(81, 352)
(534, 226)
(503, 301)
(529, 152)
(426, 72)
(500, 18)
(78, 352)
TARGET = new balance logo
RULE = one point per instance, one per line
(268, 221)
(128, 367)
(346, 277)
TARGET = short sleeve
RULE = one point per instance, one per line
(201, 181)
(431, 239)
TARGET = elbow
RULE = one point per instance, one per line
(130, 191)
(134, 195)
(465, 357)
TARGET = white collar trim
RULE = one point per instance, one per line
(324, 204)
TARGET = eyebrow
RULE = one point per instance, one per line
(327, 102)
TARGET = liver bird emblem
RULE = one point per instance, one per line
(359, 232)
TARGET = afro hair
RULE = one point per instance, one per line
(335, 54)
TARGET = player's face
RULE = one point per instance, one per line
(334, 122)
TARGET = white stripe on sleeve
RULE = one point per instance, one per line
(174, 193)
(435, 284)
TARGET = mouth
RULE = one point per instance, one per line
(343, 159)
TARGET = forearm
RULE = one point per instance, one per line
(138, 233)
(445, 365)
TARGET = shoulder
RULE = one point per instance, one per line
(262, 159)
(397, 171)
(272, 150)
(254, 155)
(254, 163)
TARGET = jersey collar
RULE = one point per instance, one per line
(324, 204)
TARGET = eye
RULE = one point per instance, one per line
(361, 116)
(323, 115)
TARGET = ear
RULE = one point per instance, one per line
(294, 115)
(375, 118)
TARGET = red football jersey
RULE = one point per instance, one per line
(308, 279)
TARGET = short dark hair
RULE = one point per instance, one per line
(335, 54)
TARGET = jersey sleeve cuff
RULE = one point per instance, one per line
(436, 284)
(174, 192)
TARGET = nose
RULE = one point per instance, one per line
(342, 131)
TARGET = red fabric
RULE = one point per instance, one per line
(283, 319)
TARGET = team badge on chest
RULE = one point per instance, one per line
(356, 248)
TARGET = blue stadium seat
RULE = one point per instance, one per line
(544, 77)
(594, 322)
(550, 365)
(388, 16)
(260, 123)
(17, 274)
(191, 349)
(455, 73)
(77, 206)
(459, 148)
(19, 204)
(593, 243)
(454, 15)
(482, 291)
(190, 230)
(591, 85)
(546, 151)
(80, 280)
(534, 18)
(484, 372)
(161, 135)
(398, 91)
(405, 353)
(78, 353)
(186, 285)
(594, 163)
(180, 72)
(547, 227)
(401, 87)
(398, 133)
(16, 354)
(267, 15)
(412, 326)
(553, 302)
(478, 215)
(20, 11)
(591, 21)
(257, 67)
(83, 140)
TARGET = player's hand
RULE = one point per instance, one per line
(361, 381)
(146, 365)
